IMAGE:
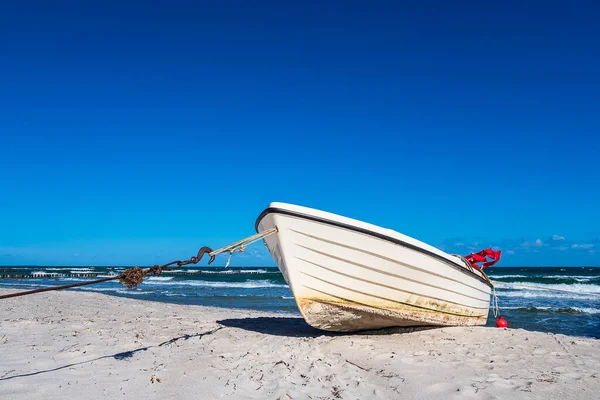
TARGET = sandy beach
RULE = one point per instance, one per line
(90, 346)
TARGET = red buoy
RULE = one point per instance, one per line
(501, 322)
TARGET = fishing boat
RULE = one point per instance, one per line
(349, 275)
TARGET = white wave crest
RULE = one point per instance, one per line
(113, 290)
(507, 276)
(572, 288)
(22, 284)
(73, 279)
(94, 289)
(160, 278)
(235, 271)
(243, 285)
(546, 295)
(587, 310)
(576, 277)
(133, 292)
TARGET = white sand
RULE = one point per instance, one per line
(82, 345)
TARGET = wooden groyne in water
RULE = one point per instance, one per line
(95, 275)
(31, 276)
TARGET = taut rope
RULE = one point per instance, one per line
(132, 277)
(241, 245)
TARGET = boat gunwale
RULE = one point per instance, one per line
(276, 210)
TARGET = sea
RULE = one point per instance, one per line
(572, 309)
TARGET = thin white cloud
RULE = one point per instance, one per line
(537, 243)
(556, 237)
(582, 246)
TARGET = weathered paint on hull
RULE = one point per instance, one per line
(343, 316)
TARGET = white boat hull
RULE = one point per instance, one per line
(347, 275)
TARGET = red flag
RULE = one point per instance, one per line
(482, 257)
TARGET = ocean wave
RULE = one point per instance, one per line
(160, 278)
(546, 295)
(557, 310)
(84, 279)
(507, 276)
(224, 272)
(73, 279)
(587, 310)
(243, 285)
(133, 292)
(94, 289)
(21, 284)
(578, 278)
(236, 271)
(114, 290)
(287, 297)
(56, 271)
(573, 288)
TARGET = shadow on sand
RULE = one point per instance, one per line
(278, 326)
(117, 356)
(297, 327)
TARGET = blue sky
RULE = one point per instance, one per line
(134, 133)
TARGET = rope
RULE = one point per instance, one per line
(467, 263)
(240, 246)
(6, 296)
(495, 302)
(132, 277)
(470, 267)
(495, 306)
